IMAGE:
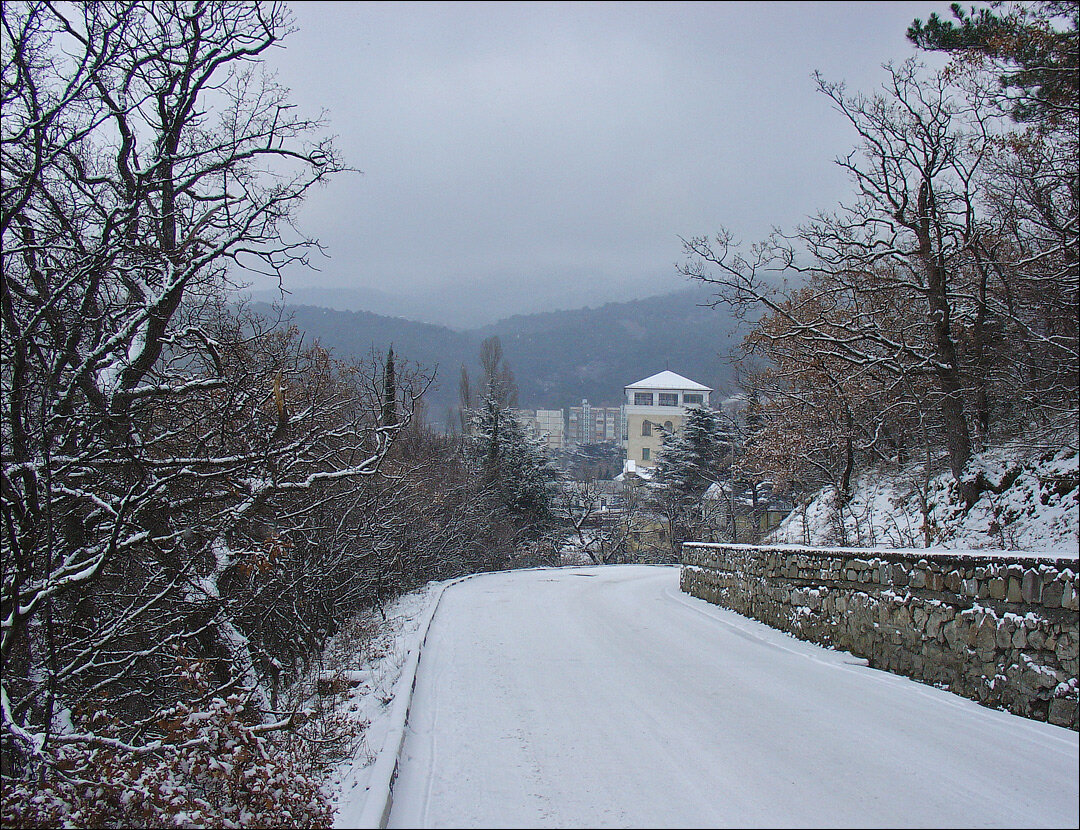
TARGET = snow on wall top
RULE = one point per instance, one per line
(1061, 555)
(669, 380)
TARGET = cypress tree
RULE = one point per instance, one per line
(389, 404)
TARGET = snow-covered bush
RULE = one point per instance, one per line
(206, 765)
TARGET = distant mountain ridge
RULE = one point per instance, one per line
(487, 299)
(558, 357)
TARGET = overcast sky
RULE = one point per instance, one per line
(536, 156)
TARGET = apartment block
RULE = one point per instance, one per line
(588, 424)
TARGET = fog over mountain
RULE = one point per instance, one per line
(475, 302)
(517, 157)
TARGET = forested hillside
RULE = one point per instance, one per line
(557, 357)
(1031, 501)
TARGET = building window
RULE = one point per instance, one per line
(644, 453)
(646, 428)
(667, 426)
(643, 399)
(669, 399)
(689, 400)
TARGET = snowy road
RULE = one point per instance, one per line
(606, 697)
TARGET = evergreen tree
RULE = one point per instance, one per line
(691, 459)
(389, 407)
(515, 465)
(1035, 46)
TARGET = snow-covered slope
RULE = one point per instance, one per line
(1033, 504)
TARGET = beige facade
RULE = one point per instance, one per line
(550, 427)
(544, 424)
(657, 406)
(527, 419)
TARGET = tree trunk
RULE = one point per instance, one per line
(957, 434)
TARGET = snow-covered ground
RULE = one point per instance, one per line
(1037, 508)
(606, 697)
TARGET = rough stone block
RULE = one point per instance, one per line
(1028, 683)
(1067, 647)
(986, 657)
(985, 639)
(934, 624)
(952, 634)
(1052, 593)
(1063, 711)
(1069, 597)
(1013, 594)
(1048, 679)
(1031, 588)
(997, 588)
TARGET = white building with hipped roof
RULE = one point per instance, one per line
(656, 406)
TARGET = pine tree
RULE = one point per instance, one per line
(691, 459)
(1035, 46)
(516, 466)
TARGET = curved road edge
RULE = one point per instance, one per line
(380, 797)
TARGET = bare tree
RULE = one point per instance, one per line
(896, 292)
(497, 380)
(151, 441)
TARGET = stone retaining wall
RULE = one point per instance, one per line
(998, 628)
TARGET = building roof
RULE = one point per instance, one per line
(669, 380)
